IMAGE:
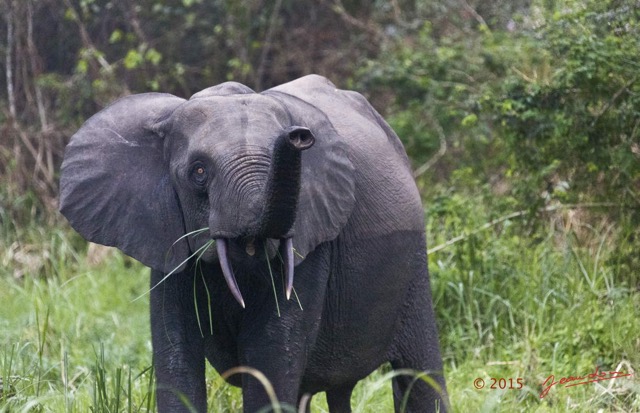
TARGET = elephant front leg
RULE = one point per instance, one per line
(178, 353)
(269, 375)
(275, 349)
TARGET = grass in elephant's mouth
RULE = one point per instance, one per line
(197, 253)
(206, 289)
(273, 283)
(295, 251)
(189, 234)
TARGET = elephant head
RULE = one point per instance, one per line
(161, 177)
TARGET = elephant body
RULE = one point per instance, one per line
(302, 165)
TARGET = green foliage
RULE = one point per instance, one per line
(578, 125)
(445, 81)
(516, 304)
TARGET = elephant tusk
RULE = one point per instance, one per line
(221, 247)
(288, 265)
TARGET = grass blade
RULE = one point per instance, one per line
(198, 251)
(273, 282)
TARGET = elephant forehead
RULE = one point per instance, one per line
(231, 118)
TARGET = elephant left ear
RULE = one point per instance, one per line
(327, 181)
(115, 187)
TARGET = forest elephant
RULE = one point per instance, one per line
(228, 195)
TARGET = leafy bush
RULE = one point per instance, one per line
(578, 126)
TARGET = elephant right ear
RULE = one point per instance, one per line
(115, 187)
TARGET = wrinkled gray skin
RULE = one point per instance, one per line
(302, 164)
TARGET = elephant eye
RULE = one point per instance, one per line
(199, 174)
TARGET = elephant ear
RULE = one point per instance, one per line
(327, 182)
(115, 187)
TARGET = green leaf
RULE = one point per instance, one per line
(153, 56)
(470, 120)
(116, 36)
(82, 66)
(133, 59)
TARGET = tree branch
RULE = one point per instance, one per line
(9, 61)
(86, 39)
(340, 10)
(613, 99)
(266, 48)
(474, 13)
(33, 56)
(435, 158)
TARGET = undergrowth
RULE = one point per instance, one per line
(532, 297)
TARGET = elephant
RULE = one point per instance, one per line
(229, 194)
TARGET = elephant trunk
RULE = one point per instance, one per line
(283, 182)
(281, 202)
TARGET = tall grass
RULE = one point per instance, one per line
(513, 300)
(516, 301)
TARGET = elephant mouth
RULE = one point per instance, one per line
(286, 252)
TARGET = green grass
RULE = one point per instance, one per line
(516, 301)
(512, 302)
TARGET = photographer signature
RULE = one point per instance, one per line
(571, 381)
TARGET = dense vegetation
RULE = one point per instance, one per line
(522, 121)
